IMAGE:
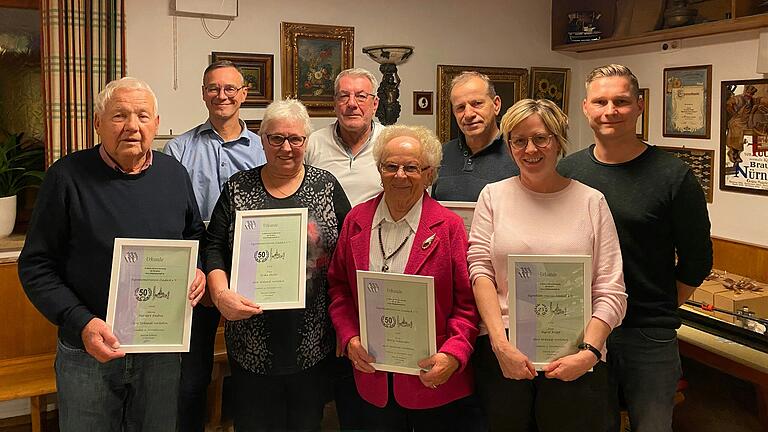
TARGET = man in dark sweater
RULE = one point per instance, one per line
(478, 156)
(661, 218)
(117, 189)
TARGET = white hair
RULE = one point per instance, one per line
(288, 109)
(128, 83)
(356, 73)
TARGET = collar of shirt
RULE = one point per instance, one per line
(411, 218)
(113, 164)
(340, 142)
(208, 127)
(467, 152)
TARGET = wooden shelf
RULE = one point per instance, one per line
(703, 29)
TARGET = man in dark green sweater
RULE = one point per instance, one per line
(661, 218)
(117, 189)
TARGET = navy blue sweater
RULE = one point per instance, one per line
(82, 206)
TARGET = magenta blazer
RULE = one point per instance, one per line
(456, 316)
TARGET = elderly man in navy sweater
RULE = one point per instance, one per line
(120, 188)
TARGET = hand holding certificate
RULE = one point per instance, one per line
(149, 309)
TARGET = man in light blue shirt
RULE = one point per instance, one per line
(221, 146)
(211, 152)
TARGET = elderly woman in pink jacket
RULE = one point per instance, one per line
(403, 230)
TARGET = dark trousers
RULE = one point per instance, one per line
(589, 403)
(646, 364)
(196, 368)
(462, 415)
(292, 402)
(349, 404)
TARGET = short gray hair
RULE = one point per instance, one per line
(468, 75)
(288, 109)
(614, 70)
(356, 73)
(127, 83)
(431, 149)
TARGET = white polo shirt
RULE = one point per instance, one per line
(358, 174)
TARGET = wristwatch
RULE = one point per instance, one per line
(585, 346)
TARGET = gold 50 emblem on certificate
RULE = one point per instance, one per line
(148, 308)
(550, 304)
(397, 319)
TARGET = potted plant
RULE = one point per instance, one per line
(18, 170)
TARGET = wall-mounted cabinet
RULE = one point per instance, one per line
(633, 22)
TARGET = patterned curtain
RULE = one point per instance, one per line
(83, 48)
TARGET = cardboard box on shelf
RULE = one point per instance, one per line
(757, 302)
(706, 293)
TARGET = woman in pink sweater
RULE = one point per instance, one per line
(543, 213)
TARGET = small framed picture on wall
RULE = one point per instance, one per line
(422, 103)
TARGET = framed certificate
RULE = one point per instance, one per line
(149, 308)
(397, 319)
(687, 101)
(269, 260)
(465, 210)
(550, 304)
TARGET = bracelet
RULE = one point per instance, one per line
(585, 346)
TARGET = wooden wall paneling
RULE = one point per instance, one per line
(740, 258)
(24, 330)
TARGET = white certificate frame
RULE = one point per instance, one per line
(512, 259)
(114, 290)
(428, 282)
(242, 216)
(465, 210)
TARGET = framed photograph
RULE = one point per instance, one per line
(258, 71)
(744, 136)
(550, 304)
(311, 57)
(552, 84)
(253, 125)
(149, 308)
(511, 85)
(702, 163)
(397, 319)
(687, 101)
(422, 103)
(465, 210)
(269, 257)
(641, 128)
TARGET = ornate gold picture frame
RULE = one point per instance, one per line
(311, 57)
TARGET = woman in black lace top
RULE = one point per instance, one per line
(279, 358)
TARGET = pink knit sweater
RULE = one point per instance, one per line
(511, 219)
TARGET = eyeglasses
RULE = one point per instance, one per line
(229, 91)
(293, 140)
(409, 170)
(359, 97)
(540, 141)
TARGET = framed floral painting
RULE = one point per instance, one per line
(312, 55)
(551, 84)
